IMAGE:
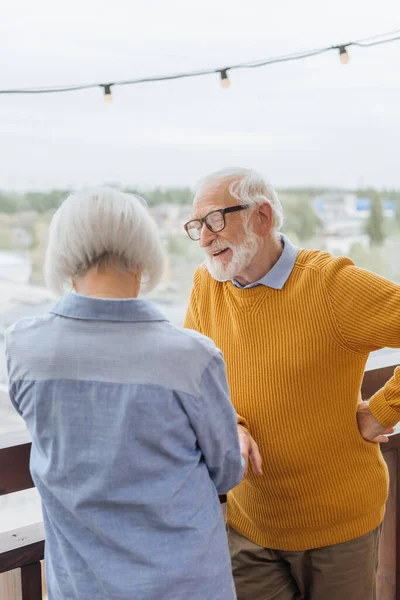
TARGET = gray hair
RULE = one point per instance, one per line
(100, 224)
(248, 187)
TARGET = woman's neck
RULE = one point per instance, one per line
(108, 283)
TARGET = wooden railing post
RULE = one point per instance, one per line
(397, 522)
(31, 582)
(388, 583)
(21, 550)
(398, 527)
(388, 578)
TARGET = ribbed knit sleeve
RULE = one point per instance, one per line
(366, 314)
(192, 318)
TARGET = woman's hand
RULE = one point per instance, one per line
(249, 450)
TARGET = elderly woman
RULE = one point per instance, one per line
(133, 432)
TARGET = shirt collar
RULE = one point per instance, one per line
(76, 306)
(280, 272)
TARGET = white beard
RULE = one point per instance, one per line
(242, 255)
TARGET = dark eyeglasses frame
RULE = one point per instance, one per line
(221, 211)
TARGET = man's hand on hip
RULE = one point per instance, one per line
(249, 450)
(370, 429)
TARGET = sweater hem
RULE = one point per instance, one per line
(301, 539)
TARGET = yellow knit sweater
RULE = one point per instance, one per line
(295, 360)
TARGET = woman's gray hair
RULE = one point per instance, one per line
(248, 187)
(97, 225)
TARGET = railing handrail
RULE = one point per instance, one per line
(15, 446)
(14, 438)
(21, 537)
(380, 361)
(376, 362)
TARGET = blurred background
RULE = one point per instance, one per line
(326, 134)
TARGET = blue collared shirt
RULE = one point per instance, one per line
(280, 272)
(133, 437)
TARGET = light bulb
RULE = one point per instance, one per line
(225, 83)
(343, 55)
(107, 94)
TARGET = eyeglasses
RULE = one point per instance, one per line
(214, 221)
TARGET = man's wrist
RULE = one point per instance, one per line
(382, 411)
(243, 423)
(242, 429)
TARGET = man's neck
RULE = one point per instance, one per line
(268, 255)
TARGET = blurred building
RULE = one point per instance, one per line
(343, 206)
(343, 216)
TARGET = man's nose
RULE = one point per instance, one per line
(206, 236)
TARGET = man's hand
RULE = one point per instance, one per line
(249, 450)
(370, 429)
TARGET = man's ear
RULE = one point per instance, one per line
(263, 219)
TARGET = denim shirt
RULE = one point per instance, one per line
(133, 437)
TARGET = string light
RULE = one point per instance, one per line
(225, 83)
(343, 54)
(107, 93)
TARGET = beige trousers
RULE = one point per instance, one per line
(341, 572)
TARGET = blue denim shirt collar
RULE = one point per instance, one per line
(76, 306)
(280, 272)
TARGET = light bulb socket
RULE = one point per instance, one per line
(343, 55)
(107, 92)
(225, 83)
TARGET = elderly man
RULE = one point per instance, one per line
(296, 328)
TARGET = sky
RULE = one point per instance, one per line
(314, 122)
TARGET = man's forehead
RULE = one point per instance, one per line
(213, 196)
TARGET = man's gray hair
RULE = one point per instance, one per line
(102, 224)
(248, 187)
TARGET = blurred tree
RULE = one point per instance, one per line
(5, 238)
(9, 204)
(39, 202)
(397, 204)
(166, 196)
(301, 219)
(371, 259)
(38, 250)
(42, 202)
(375, 225)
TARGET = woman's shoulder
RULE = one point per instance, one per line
(183, 356)
(189, 340)
(18, 331)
